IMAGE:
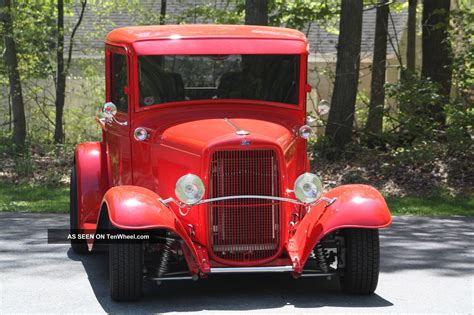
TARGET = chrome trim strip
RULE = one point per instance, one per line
(252, 269)
(238, 130)
(318, 274)
(329, 201)
(249, 197)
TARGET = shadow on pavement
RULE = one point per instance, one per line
(440, 244)
(224, 292)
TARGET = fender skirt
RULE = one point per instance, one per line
(138, 208)
(357, 206)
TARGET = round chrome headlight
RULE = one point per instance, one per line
(305, 132)
(308, 188)
(189, 189)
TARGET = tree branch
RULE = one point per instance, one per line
(71, 39)
(378, 5)
(396, 49)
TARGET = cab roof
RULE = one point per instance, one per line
(133, 34)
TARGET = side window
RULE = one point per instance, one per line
(118, 80)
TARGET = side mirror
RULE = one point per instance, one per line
(109, 110)
(323, 108)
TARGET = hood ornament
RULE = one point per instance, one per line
(242, 132)
(238, 130)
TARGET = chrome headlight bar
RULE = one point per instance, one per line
(190, 190)
(181, 205)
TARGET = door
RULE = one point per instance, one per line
(117, 129)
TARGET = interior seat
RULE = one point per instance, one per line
(230, 85)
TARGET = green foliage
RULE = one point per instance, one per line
(462, 42)
(459, 130)
(33, 198)
(23, 163)
(298, 13)
(35, 33)
(413, 133)
(362, 110)
(418, 154)
(435, 205)
(34, 25)
(460, 112)
(85, 94)
(232, 12)
(413, 97)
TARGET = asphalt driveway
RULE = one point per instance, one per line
(427, 266)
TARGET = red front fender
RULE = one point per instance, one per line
(137, 208)
(91, 180)
(357, 206)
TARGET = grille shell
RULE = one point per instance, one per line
(244, 230)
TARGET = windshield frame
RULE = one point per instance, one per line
(301, 89)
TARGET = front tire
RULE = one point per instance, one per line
(126, 271)
(361, 272)
(78, 246)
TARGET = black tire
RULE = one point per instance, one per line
(78, 246)
(126, 271)
(361, 273)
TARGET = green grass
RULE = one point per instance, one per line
(436, 205)
(26, 198)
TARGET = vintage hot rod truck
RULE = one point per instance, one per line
(204, 150)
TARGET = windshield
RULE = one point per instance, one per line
(272, 78)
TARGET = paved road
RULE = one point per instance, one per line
(427, 266)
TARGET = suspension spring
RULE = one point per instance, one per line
(163, 268)
(321, 258)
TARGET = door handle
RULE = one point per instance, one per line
(121, 123)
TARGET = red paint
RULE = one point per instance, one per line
(357, 206)
(129, 176)
(91, 180)
(137, 208)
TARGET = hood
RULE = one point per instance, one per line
(194, 136)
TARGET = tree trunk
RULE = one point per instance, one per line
(377, 91)
(256, 12)
(411, 36)
(60, 77)
(11, 61)
(162, 12)
(62, 68)
(341, 114)
(437, 61)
